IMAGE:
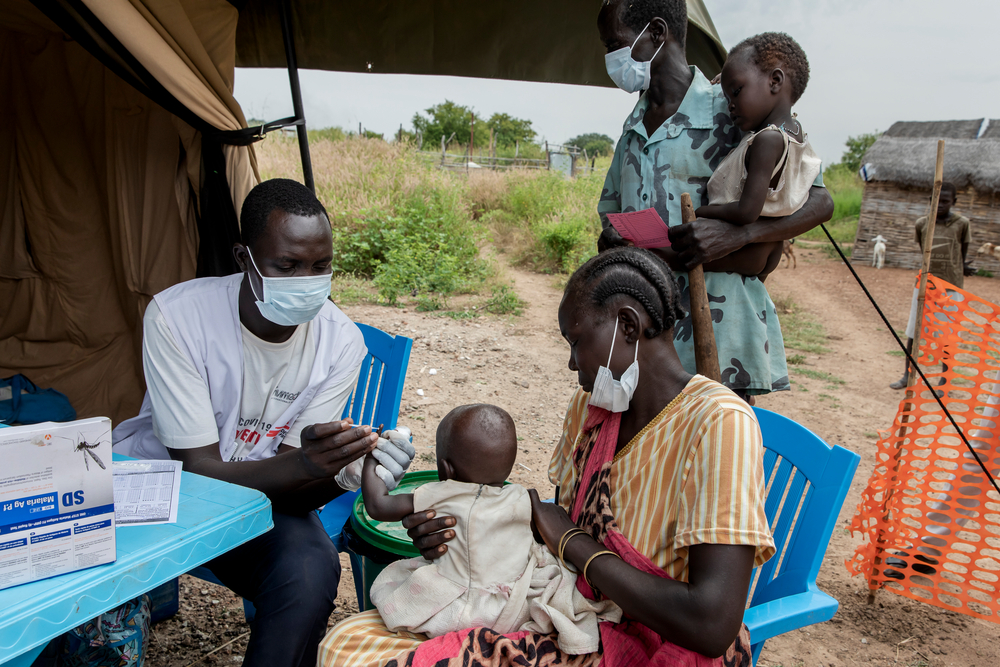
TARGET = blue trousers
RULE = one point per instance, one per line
(291, 574)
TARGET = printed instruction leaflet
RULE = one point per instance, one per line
(146, 492)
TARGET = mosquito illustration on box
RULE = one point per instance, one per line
(80, 444)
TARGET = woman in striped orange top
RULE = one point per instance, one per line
(660, 496)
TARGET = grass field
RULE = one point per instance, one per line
(406, 231)
(846, 189)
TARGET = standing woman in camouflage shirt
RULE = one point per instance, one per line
(677, 134)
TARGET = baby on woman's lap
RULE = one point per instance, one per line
(493, 574)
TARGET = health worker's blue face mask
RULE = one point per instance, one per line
(627, 73)
(292, 300)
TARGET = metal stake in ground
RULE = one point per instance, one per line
(910, 392)
(706, 357)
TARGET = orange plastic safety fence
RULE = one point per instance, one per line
(930, 515)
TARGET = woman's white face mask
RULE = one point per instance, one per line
(609, 393)
(292, 300)
(627, 73)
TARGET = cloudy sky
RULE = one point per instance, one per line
(873, 62)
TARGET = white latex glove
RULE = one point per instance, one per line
(349, 477)
(394, 453)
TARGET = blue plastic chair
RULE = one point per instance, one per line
(375, 401)
(807, 482)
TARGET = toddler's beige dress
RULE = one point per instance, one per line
(493, 575)
(799, 166)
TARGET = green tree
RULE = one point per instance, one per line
(856, 149)
(442, 120)
(595, 144)
(508, 130)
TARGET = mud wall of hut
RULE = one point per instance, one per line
(892, 211)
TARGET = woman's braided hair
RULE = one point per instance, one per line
(632, 272)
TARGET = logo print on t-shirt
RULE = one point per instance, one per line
(279, 431)
(285, 396)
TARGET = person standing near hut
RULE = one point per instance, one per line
(952, 235)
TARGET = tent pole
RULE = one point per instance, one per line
(293, 80)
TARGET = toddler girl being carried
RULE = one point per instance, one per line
(769, 174)
(493, 573)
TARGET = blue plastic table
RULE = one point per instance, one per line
(213, 517)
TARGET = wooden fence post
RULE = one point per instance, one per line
(911, 380)
(928, 246)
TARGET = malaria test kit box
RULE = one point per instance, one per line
(57, 509)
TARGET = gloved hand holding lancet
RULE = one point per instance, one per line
(394, 453)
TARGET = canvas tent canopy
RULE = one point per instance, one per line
(552, 41)
(900, 173)
(104, 193)
(124, 157)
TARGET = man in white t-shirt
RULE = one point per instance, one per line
(247, 376)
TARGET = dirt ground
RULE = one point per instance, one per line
(519, 363)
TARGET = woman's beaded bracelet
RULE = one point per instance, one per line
(589, 560)
(564, 540)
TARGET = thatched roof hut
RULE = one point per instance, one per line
(899, 168)
(935, 129)
(993, 130)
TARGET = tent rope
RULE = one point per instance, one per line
(913, 362)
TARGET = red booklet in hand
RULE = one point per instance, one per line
(645, 229)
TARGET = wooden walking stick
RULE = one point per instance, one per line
(706, 357)
(925, 268)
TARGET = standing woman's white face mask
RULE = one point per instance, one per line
(627, 73)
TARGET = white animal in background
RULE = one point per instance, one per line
(990, 249)
(878, 256)
(789, 252)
